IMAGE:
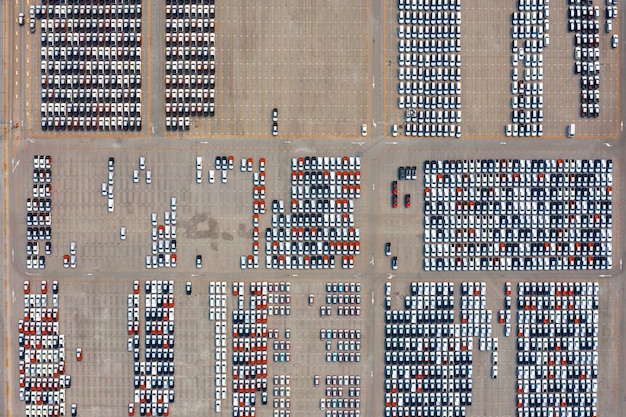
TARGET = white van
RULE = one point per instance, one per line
(571, 130)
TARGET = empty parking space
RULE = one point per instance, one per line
(308, 60)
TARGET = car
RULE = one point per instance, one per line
(311, 299)
(262, 164)
(148, 177)
(111, 164)
(73, 409)
(275, 129)
(198, 176)
(394, 187)
(188, 288)
(79, 354)
(110, 205)
(142, 162)
(211, 176)
(407, 200)
(394, 130)
(20, 19)
(123, 233)
(394, 263)
(614, 40)
(224, 177)
(66, 261)
(363, 129)
(388, 249)
(173, 203)
(131, 409)
(394, 200)
(55, 287)
(494, 371)
(198, 261)
(26, 287)
(275, 115)
(44, 287)
(135, 176)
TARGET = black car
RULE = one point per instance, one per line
(388, 249)
(401, 175)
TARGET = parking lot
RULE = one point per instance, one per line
(322, 88)
(486, 45)
(326, 341)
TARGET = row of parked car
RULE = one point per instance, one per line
(154, 375)
(584, 19)
(164, 242)
(530, 36)
(251, 333)
(557, 348)
(41, 352)
(428, 364)
(321, 223)
(218, 304)
(429, 47)
(517, 166)
(38, 214)
(106, 67)
(190, 63)
(217, 314)
(538, 221)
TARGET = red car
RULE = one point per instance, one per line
(26, 287)
(407, 200)
(394, 187)
(394, 200)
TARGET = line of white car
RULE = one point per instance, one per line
(154, 377)
(190, 64)
(429, 363)
(531, 25)
(41, 353)
(429, 50)
(518, 214)
(110, 67)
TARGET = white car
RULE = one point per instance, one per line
(211, 176)
(123, 233)
(394, 130)
(363, 129)
(614, 41)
